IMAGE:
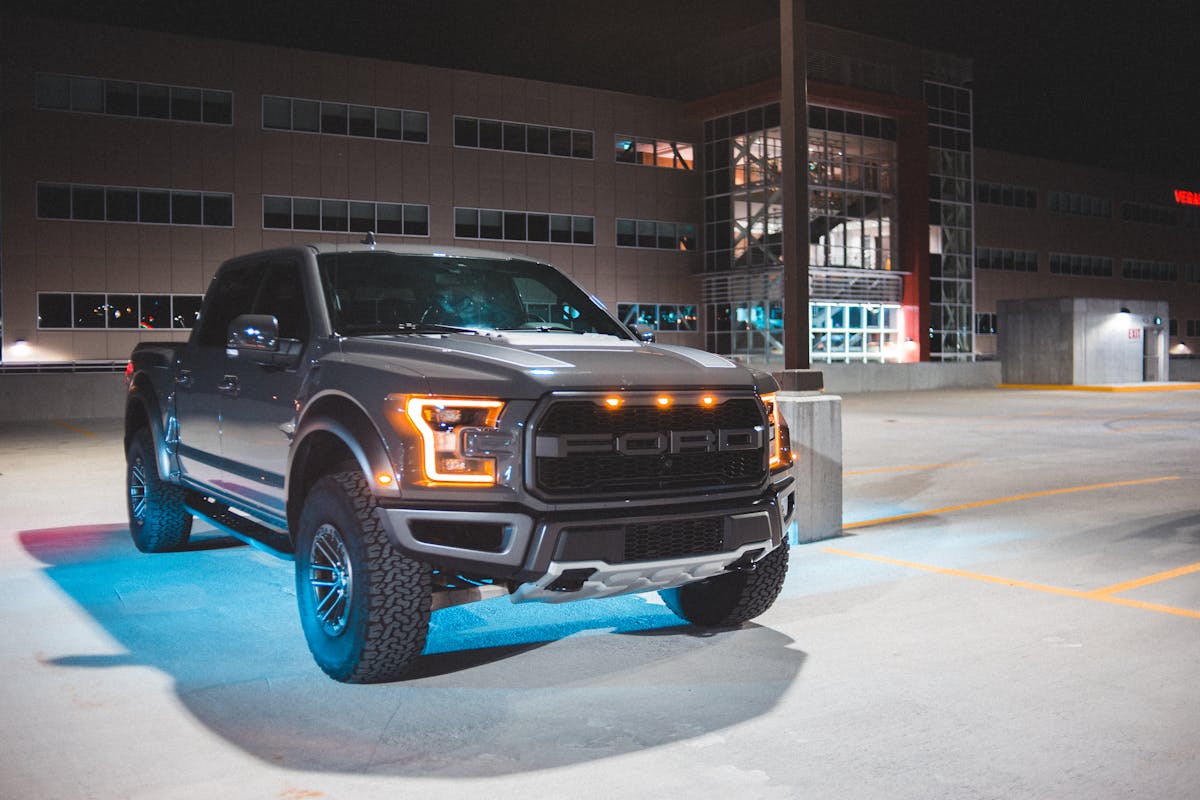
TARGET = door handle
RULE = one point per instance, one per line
(228, 386)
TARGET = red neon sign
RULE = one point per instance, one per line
(1185, 198)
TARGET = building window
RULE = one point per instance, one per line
(343, 119)
(523, 226)
(655, 235)
(1002, 194)
(133, 204)
(344, 216)
(985, 323)
(1193, 328)
(96, 311)
(1084, 205)
(654, 152)
(1142, 270)
(53, 92)
(1149, 213)
(1007, 260)
(519, 137)
(1081, 265)
(659, 316)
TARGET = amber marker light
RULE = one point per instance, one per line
(383, 479)
(708, 401)
(612, 401)
(663, 401)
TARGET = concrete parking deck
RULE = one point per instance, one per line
(1014, 612)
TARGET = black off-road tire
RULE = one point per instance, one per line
(364, 606)
(729, 600)
(158, 518)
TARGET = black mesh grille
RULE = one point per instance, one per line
(677, 539)
(617, 474)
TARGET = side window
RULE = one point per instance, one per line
(282, 296)
(232, 295)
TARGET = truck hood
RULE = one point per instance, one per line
(520, 363)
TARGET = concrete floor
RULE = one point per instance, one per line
(1013, 613)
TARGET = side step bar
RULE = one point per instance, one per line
(257, 536)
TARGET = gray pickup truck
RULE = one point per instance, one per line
(422, 428)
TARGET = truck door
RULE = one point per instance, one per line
(201, 378)
(259, 415)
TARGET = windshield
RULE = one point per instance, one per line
(380, 292)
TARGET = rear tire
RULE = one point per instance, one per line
(729, 600)
(158, 518)
(364, 606)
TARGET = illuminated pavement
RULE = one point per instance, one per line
(1015, 612)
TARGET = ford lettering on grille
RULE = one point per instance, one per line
(651, 443)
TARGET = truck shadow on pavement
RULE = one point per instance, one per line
(608, 676)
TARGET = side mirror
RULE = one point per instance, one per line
(643, 332)
(255, 337)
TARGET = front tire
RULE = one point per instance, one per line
(158, 517)
(729, 600)
(364, 606)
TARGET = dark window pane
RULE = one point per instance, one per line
(584, 230)
(186, 104)
(122, 205)
(53, 92)
(306, 214)
(560, 142)
(122, 311)
(489, 134)
(390, 218)
(491, 225)
(626, 233)
(120, 97)
(306, 115)
(231, 295)
(154, 206)
(54, 310)
(277, 113)
(581, 144)
(466, 132)
(666, 236)
(514, 226)
(416, 220)
(53, 202)
(539, 227)
(218, 210)
(155, 311)
(186, 208)
(388, 124)
(333, 118)
(218, 107)
(277, 212)
(90, 311)
(335, 215)
(362, 121)
(185, 310)
(87, 202)
(87, 94)
(560, 228)
(466, 223)
(537, 139)
(416, 126)
(362, 217)
(514, 137)
(646, 233)
(154, 101)
(282, 296)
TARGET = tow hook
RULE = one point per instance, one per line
(747, 563)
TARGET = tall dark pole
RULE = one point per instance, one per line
(794, 166)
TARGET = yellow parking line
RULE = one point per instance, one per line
(910, 468)
(1140, 428)
(71, 427)
(1146, 581)
(981, 503)
(1037, 587)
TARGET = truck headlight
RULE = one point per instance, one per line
(778, 435)
(448, 428)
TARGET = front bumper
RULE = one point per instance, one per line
(556, 556)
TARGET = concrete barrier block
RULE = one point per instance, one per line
(815, 422)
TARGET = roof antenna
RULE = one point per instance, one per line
(369, 239)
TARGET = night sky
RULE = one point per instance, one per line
(1093, 83)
